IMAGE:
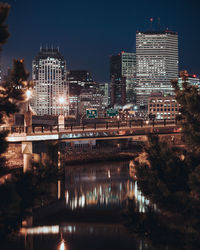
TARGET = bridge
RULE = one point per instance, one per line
(93, 131)
(136, 130)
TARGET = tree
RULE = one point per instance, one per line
(189, 98)
(12, 90)
(170, 178)
(4, 34)
(20, 193)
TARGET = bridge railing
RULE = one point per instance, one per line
(89, 126)
(14, 129)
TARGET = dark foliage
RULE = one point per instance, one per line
(12, 92)
(16, 83)
(4, 34)
(25, 192)
(170, 179)
(189, 98)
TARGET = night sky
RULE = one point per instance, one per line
(88, 32)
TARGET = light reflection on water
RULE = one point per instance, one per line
(62, 245)
(97, 186)
(101, 186)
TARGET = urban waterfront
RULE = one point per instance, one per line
(100, 140)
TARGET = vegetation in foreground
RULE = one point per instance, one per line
(24, 191)
(170, 179)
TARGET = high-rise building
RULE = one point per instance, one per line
(156, 63)
(90, 98)
(104, 89)
(78, 80)
(128, 61)
(50, 77)
(123, 77)
(118, 91)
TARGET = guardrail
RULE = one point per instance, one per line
(82, 127)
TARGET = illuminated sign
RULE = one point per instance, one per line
(112, 112)
(91, 113)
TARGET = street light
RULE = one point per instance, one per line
(61, 101)
(28, 96)
(61, 117)
(28, 93)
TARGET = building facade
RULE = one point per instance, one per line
(128, 61)
(104, 90)
(90, 99)
(123, 71)
(118, 91)
(50, 78)
(78, 80)
(156, 63)
(163, 107)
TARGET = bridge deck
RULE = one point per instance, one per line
(89, 132)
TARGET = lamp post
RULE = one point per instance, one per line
(28, 96)
(28, 114)
(61, 101)
(61, 117)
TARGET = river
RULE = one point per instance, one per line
(87, 214)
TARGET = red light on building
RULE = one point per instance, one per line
(194, 76)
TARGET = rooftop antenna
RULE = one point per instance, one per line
(158, 23)
(58, 48)
(151, 23)
(46, 46)
(52, 47)
(40, 47)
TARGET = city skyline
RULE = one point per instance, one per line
(89, 33)
(157, 63)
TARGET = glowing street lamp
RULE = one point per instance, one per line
(61, 101)
(28, 96)
(28, 93)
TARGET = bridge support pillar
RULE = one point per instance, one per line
(61, 122)
(28, 121)
(27, 149)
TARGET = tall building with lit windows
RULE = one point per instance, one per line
(49, 74)
(123, 78)
(156, 63)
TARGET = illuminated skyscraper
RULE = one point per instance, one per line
(123, 77)
(156, 63)
(50, 77)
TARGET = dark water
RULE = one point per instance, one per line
(87, 214)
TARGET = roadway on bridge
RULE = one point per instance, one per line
(90, 132)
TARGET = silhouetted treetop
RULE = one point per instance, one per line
(4, 34)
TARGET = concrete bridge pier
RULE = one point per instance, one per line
(27, 149)
(61, 122)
